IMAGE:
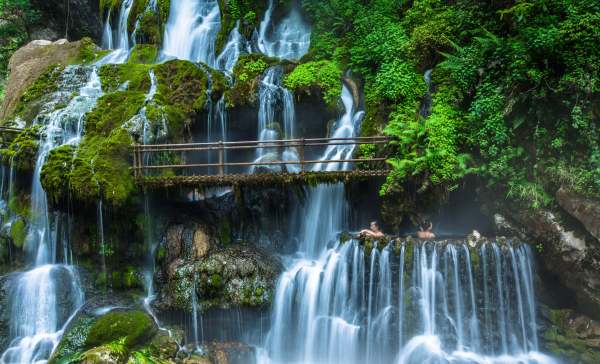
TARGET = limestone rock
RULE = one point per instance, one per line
(586, 210)
(201, 243)
(29, 62)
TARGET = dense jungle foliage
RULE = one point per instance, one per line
(514, 99)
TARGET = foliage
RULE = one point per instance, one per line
(323, 77)
(515, 90)
(16, 20)
(247, 74)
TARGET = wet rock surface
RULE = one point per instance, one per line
(585, 210)
(573, 337)
(566, 252)
(219, 276)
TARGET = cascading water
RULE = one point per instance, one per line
(290, 39)
(410, 302)
(117, 41)
(43, 299)
(191, 31)
(275, 103)
(236, 45)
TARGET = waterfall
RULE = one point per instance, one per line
(236, 45)
(276, 103)
(191, 30)
(43, 298)
(142, 128)
(290, 39)
(119, 39)
(406, 302)
(318, 281)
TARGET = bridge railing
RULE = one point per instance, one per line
(240, 157)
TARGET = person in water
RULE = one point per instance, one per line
(425, 231)
(374, 231)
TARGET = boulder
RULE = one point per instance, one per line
(565, 252)
(586, 210)
(29, 62)
(220, 275)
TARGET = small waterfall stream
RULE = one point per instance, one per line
(276, 107)
(118, 41)
(43, 299)
(191, 30)
(290, 39)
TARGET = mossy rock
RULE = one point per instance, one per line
(181, 94)
(247, 73)
(55, 173)
(136, 76)
(18, 233)
(323, 78)
(143, 53)
(32, 98)
(130, 327)
(22, 151)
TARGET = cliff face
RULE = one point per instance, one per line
(72, 20)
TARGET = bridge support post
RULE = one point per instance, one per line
(135, 161)
(221, 158)
(301, 155)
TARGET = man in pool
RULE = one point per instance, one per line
(425, 231)
(373, 232)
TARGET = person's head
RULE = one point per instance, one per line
(426, 225)
(374, 226)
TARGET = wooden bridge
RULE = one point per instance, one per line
(256, 162)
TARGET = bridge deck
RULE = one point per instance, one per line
(227, 163)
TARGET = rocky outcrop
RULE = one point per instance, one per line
(566, 253)
(193, 263)
(584, 209)
(29, 62)
(572, 337)
(72, 19)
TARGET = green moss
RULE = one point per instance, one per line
(22, 151)
(181, 94)
(114, 352)
(150, 24)
(321, 77)
(164, 8)
(72, 342)
(109, 4)
(18, 233)
(247, 74)
(101, 169)
(55, 173)
(133, 327)
(143, 53)
(46, 84)
(89, 52)
(225, 232)
(113, 110)
(115, 75)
